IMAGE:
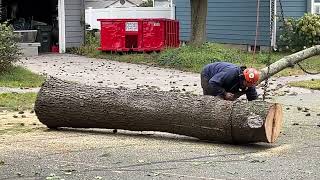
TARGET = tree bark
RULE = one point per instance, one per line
(199, 11)
(68, 104)
(288, 61)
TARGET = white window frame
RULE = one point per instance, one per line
(313, 6)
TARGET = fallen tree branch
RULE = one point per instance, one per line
(288, 61)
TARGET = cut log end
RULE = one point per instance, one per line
(273, 123)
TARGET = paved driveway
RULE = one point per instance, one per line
(30, 151)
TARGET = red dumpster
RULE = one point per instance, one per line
(140, 35)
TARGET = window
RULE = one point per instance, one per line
(315, 6)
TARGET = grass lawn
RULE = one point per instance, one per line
(17, 77)
(17, 102)
(313, 84)
(192, 59)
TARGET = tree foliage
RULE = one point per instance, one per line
(298, 34)
(148, 3)
(9, 50)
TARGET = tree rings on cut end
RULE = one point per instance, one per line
(273, 123)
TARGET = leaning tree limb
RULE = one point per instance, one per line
(288, 61)
(69, 104)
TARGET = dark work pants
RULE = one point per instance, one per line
(207, 90)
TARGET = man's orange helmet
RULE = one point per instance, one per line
(251, 76)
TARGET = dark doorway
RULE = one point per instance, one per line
(38, 10)
(40, 15)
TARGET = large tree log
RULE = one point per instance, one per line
(288, 61)
(67, 104)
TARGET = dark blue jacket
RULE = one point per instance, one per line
(225, 77)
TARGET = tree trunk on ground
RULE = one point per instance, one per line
(67, 104)
(199, 11)
(288, 61)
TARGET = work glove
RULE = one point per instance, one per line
(229, 97)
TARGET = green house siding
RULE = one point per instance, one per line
(234, 21)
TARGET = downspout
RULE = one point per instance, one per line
(312, 6)
(62, 26)
(173, 10)
(273, 15)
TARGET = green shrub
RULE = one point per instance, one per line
(309, 29)
(148, 3)
(90, 46)
(9, 51)
(298, 34)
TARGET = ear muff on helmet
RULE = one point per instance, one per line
(243, 68)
